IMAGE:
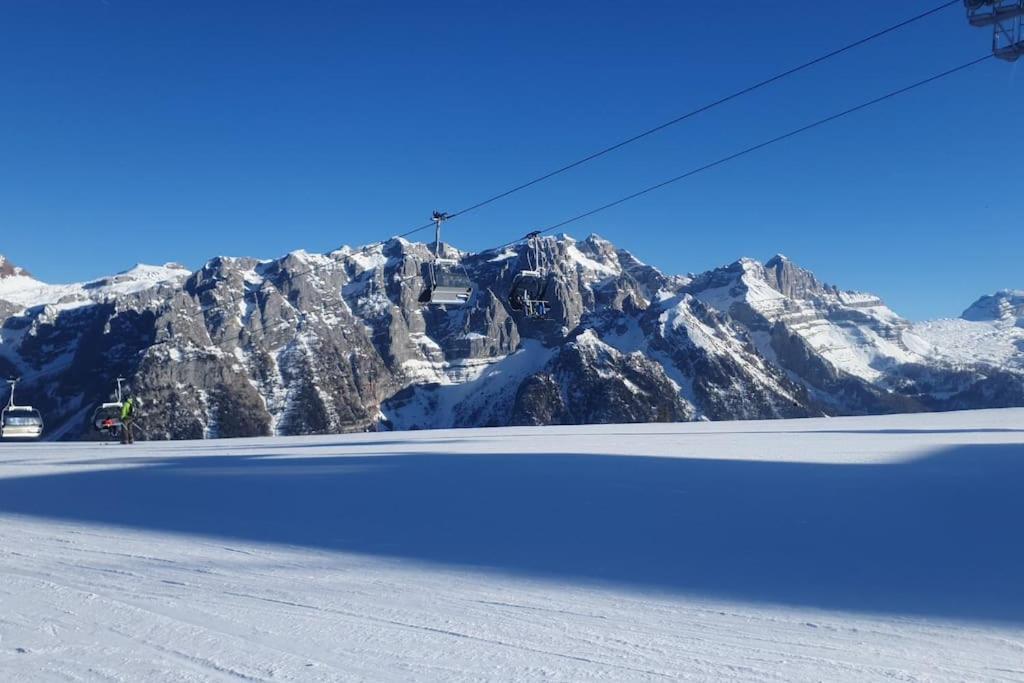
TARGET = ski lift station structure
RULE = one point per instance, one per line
(20, 422)
(1006, 17)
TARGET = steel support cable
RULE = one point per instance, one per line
(760, 146)
(700, 169)
(700, 110)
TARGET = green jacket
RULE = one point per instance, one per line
(127, 410)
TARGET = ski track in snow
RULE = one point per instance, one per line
(122, 564)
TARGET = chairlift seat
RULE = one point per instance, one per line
(450, 296)
(528, 293)
(446, 286)
(21, 422)
(107, 417)
(450, 289)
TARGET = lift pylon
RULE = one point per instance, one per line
(1006, 17)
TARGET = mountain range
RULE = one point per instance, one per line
(322, 343)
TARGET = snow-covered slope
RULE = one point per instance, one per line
(966, 342)
(853, 332)
(27, 292)
(990, 332)
(846, 549)
(1005, 306)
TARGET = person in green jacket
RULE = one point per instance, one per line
(127, 416)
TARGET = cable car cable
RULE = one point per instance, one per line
(759, 146)
(640, 193)
(679, 119)
(700, 110)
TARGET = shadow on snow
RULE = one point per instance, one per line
(938, 536)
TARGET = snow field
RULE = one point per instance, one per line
(828, 549)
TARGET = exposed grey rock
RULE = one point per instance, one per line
(539, 401)
(8, 269)
(603, 385)
(338, 342)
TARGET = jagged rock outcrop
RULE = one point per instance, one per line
(574, 388)
(318, 343)
(8, 269)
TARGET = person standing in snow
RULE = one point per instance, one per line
(127, 416)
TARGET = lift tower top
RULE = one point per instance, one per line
(1006, 17)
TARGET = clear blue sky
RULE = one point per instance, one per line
(134, 130)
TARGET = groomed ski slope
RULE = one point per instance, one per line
(833, 549)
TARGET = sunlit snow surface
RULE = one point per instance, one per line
(26, 291)
(966, 341)
(854, 347)
(843, 549)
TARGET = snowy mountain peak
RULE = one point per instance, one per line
(8, 269)
(748, 264)
(23, 291)
(1005, 306)
(140, 274)
(794, 281)
(146, 270)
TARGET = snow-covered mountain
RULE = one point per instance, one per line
(1005, 307)
(315, 343)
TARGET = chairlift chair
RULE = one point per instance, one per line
(20, 422)
(448, 283)
(107, 416)
(448, 286)
(528, 292)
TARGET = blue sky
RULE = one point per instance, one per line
(134, 130)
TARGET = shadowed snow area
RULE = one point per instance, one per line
(903, 516)
(925, 532)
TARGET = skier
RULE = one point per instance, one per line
(127, 416)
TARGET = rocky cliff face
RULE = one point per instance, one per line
(313, 343)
